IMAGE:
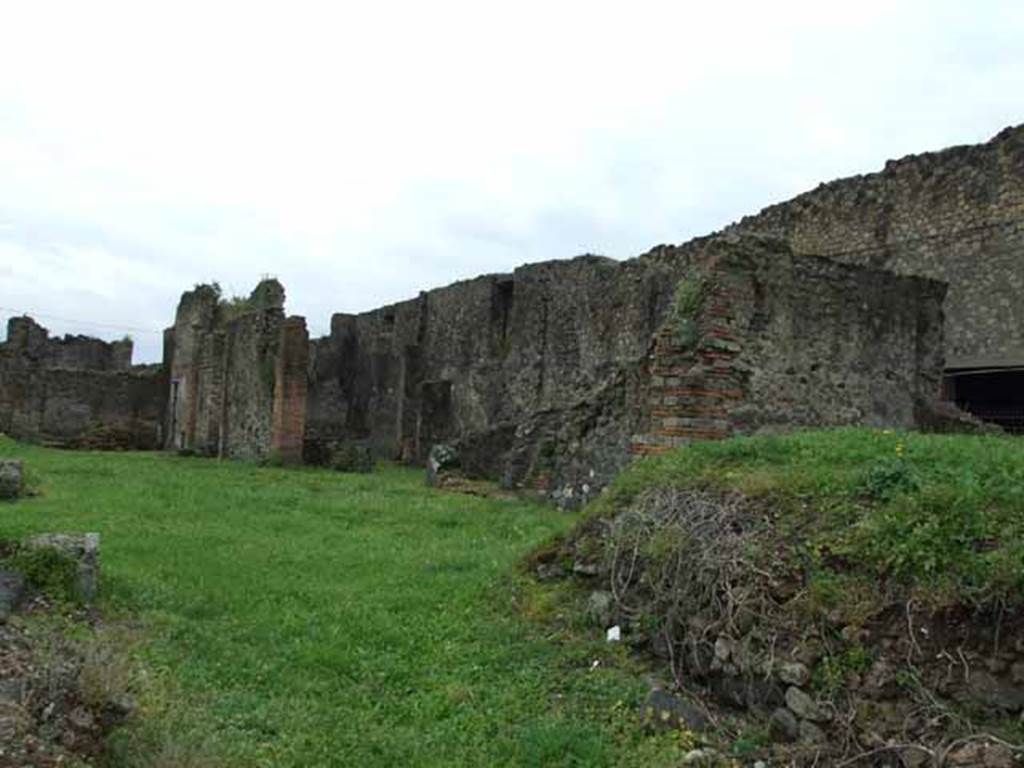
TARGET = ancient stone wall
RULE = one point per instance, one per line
(237, 376)
(77, 392)
(521, 368)
(955, 215)
(781, 340)
(550, 377)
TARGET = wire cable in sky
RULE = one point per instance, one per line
(86, 323)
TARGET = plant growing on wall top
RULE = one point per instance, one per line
(691, 293)
(234, 307)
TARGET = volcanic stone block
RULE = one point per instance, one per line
(12, 589)
(442, 461)
(11, 482)
(83, 549)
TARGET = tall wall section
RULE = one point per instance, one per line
(237, 376)
(955, 215)
(77, 392)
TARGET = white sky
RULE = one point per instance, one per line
(364, 151)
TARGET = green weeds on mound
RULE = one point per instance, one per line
(941, 516)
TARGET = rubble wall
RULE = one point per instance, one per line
(955, 216)
(552, 376)
(77, 392)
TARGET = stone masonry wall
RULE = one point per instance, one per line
(77, 392)
(237, 376)
(786, 341)
(955, 215)
(523, 369)
(552, 376)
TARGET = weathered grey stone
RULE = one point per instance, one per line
(12, 590)
(979, 755)
(600, 606)
(83, 549)
(742, 693)
(663, 710)
(794, 673)
(1000, 756)
(880, 680)
(783, 725)
(10, 479)
(811, 734)
(586, 569)
(13, 722)
(804, 707)
(913, 757)
(995, 692)
(706, 756)
(12, 691)
(441, 459)
(723, 648)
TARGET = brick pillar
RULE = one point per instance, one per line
(692, 390)
(290, 390)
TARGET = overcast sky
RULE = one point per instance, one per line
(364, 151)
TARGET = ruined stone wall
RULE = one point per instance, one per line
(77, 392)
(783, 340)
(237, 376)
(524, 369)
(550, 377)
(955, 215)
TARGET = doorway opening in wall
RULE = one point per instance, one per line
(994, 395)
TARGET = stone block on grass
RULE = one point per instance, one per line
(442, 462)
(11, 478)
(81, 548)
(12, 590)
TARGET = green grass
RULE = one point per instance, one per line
(939, 515)
(309, 618)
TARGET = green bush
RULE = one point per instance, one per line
(830, 674)
(888, 478)
(51, 572)
(690, 295)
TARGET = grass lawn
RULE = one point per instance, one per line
(308, 618)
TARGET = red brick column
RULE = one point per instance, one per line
(693, 389)
(290, 390)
